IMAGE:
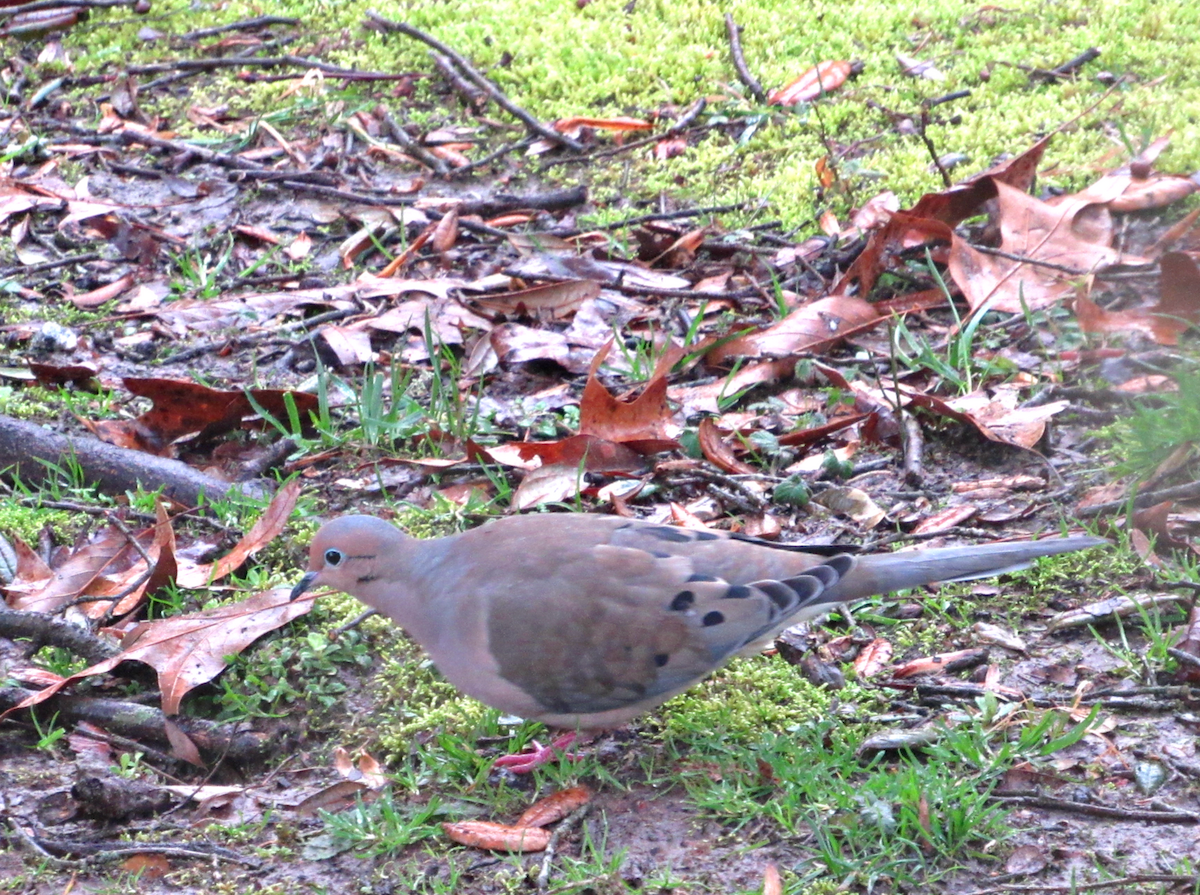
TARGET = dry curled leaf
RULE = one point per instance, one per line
(772, 884)
(555, 807)
(719, 452)
(825, 77)
(497, 837)
(189, 650)
(874, 656)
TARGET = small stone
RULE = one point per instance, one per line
(53, 337)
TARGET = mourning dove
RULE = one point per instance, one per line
(584, 621)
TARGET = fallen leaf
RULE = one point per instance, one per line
(1074, 234)
(853, 503)
(555, 807)
(182, 407)
(603, 415)
(719, 452)
(1123, 605)
(266, 528)
(547, 484)
(497, 837)
(825, 77)
(940, 664)
(919, 68)
(772, 884)
(945, 519)
(552, 301)
(874, 656)
(189, 650)
(592, 453)
(814, 327)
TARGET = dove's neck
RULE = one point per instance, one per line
(404, 584)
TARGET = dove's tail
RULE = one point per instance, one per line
(885, 572)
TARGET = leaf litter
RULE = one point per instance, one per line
(683, 332)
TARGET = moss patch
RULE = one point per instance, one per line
(557, 60)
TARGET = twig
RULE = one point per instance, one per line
(923, 132)
(354, 622)
(243, 25)
(1185, 658)
(10, 11)
(493, 156)
(739, 60)
(55, 631)
(93, 853)
(946, 98)
(664, 216)
(1025, 259)
(415, 149)
(616, 284)
(914, 452)
(51, 265)
(725, 487)
(689, 116)
(1052, 804)
(345, 195)
(1077, 886)
(203, 348)
(475, 98)
(1067, 69)
(1190, 491)
(141, 722)
(502, 203)
(201, 65)
(478, 80)
(36, 848)
(188, 150)
(615, 150)
(568, 823)
(161, 760)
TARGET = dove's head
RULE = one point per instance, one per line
(349, 553)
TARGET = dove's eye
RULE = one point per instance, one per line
(333, 557)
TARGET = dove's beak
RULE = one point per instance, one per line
(303, 585)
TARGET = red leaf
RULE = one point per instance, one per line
(825, 77)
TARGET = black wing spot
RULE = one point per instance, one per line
(738, 592)
(706, 536)
(826, 574)
(712, 618)
(661, 659)
(842, 564)
(666, 533)
(683, 601)
(780, 593)
(658, 554)
(699, 577)
(808, 587)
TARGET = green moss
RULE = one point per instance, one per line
(742, 700)
(27, 522)
(416, 699)
(558, 60)
(25, 403)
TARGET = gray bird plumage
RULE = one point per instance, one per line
(584, 621)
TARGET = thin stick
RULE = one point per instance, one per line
(471, 95)
(10, 11)
(739, 60)
(568, 823)
(415, 149)
(478, 80)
